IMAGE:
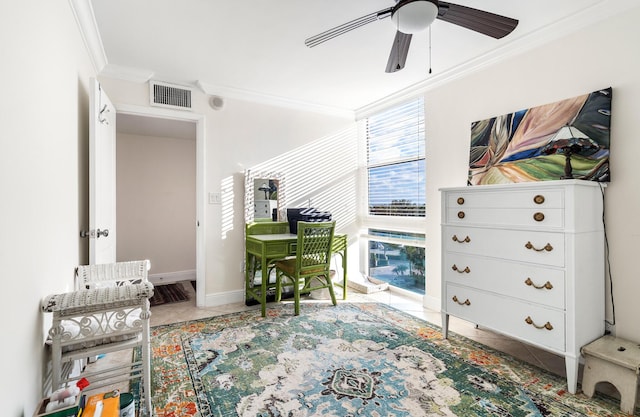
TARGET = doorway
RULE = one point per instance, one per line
(164, 203)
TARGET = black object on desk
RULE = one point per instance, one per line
(305, 214)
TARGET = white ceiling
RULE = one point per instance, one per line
(254, 49)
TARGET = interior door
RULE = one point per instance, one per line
(102, 177)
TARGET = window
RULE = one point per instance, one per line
(396, 161)
(397, 258)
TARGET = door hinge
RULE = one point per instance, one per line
(94, 234)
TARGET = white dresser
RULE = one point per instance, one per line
(527, 260)
(264, 208)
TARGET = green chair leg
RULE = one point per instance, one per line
(296, 297)
(331, 291)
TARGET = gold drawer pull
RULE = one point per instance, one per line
(466, 270)
(538, 217)
(547, 325)
(461, 214)
(460, 201)
(465, 240)
(539, 199)
(546, 285)
(547, 247)
(462, 303)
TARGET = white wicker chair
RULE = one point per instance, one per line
(108, 312)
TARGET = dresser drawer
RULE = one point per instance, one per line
(507, 315)
(536, 284)
(524, 208)
(479, 197)
(524, 246)
(500, 217)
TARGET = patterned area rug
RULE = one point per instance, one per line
(168, 293)
(350, 360)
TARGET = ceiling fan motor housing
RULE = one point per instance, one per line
(413, 16)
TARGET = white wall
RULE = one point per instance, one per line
(238, 137)
(44, 139)
(601, 56)
(156, 202)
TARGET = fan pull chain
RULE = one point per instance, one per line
(398, 67)
(429, 49)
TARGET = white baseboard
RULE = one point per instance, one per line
(432, 303)
(366, 287)
(171, 277)
(222, 298)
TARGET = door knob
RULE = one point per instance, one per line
(104, 233)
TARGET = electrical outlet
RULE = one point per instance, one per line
(215, 198)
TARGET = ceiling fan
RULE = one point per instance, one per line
(413, 16)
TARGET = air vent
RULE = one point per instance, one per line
(168, 95)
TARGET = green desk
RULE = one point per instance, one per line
(268, 241)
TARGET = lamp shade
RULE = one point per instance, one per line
(413, 16)
(571, 139)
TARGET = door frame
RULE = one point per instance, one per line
(199, 119)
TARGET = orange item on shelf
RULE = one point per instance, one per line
(106, 404)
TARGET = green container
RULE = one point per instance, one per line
(127, 405)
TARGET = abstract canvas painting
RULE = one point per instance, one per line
(566, 139)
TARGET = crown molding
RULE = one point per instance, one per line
(240, 94)
(83, 13)
(135, 75)
(552, 32)
(85, 18)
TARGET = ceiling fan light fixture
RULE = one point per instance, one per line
(413, 16)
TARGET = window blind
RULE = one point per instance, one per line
(396, 160)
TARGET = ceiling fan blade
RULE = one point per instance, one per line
(481, 21)
(346, 27)
(399, 52)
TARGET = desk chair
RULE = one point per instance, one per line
(312, 260)
(108, 312)
(258, 290)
